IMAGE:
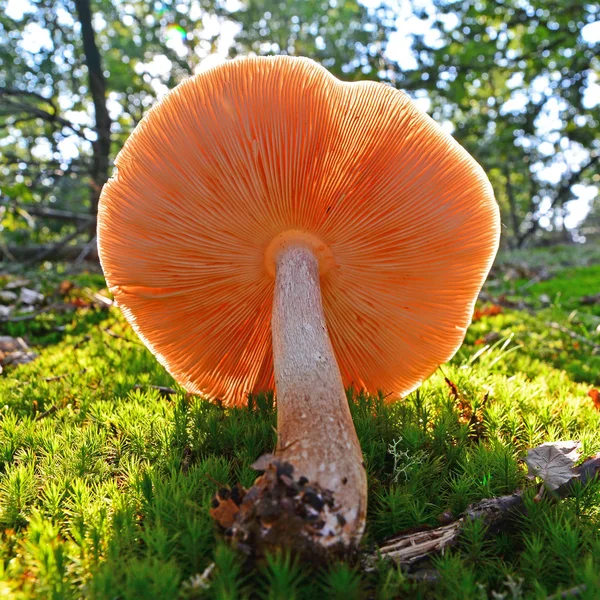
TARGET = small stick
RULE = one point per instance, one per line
(57, 377)
(570, 593)
(46, 413)
(163, 391)
(410, 548)
(82, 256)
(120, 337)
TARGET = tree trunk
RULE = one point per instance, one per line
(45, 252)
(97, 85)
(512, 204)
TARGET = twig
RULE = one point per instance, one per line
(86, 250)
(66, 253)
(120, 337)
(46, 413)
(57, 377)
(98, 299)
(410, 548)
(54, 247)
(7, 94)
(573, 335)
(54, 213)
(85, 338)
(570, 593)
(162, 390)
(37, 313)
(27, 317)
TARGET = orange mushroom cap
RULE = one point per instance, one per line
(241, 160)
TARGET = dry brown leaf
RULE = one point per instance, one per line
(224, 513)
(65, 287)
(454, 393)
(487, 311)
(553, 463)
(467, 416)
(594, 394)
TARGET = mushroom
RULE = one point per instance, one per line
(270, 226)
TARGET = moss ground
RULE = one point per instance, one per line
(105, 483)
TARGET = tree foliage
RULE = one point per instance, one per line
(77, 76)
(510, 77)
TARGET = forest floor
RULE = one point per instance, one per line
(107, 467)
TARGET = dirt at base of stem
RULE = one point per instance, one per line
(281, 511)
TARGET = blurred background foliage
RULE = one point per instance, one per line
(515, 81)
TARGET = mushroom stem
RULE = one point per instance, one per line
(316, 434)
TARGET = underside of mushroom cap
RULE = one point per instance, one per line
(243, 159)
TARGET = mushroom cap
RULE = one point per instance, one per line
(238, 161)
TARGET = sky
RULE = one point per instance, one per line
(398, 50)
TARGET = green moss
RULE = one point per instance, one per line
(107, 494)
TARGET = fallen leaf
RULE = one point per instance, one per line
(65, 287)
(17, 283)
(553, 462)
(594, 394)
(487, 311)
(226, 505)
(11, 344)
(6, 297)
(489, 338)
(595, 299)
(224, 513)
(30, 297)
(466, 414)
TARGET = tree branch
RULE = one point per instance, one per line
(410, 548)
(563, 192)
(6, 95)
(53, 213)
(50, 250)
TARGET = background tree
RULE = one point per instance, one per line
(77, 76)
(511, 79)
(514, 78)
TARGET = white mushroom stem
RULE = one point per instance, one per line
(315, 429)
